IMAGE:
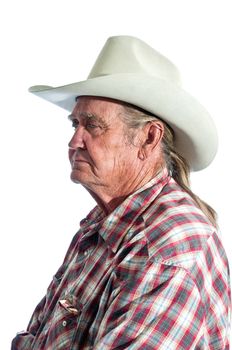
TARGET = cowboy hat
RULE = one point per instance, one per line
(129, 70)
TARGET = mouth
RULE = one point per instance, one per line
(76, 162)
(78, 158)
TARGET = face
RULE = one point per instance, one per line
(99, 152)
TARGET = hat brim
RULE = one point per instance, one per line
(195, 133)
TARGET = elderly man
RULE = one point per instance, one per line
(146, 270)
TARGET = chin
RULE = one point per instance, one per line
(75, 180)
(85, 179)
(78, 177)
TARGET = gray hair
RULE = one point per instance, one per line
(178, 167)
(135, 118)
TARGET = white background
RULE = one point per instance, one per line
(55, 43)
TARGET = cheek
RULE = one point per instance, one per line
(113, 154)
(126, 159)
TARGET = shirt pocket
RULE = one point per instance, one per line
(64, 323)
(52, 291)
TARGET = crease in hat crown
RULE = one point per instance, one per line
(127, 54)
(129, 70)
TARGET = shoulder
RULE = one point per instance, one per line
(175, 228)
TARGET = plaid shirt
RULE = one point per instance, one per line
(151, 275)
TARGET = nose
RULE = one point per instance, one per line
(77, 141)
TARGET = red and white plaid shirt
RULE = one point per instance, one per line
(151, 275)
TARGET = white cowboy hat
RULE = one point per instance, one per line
(129, 70)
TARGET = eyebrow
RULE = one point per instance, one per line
(90, 116)
(71, 116)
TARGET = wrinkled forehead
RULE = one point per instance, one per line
(96, 106)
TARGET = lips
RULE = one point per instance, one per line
(78, 157)
(77, 161)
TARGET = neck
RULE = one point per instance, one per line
(110, 198)
(107, 203)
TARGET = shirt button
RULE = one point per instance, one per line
(64, 323)
(85, 252)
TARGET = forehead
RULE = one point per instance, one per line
(97, 106)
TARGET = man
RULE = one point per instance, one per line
(147, 269)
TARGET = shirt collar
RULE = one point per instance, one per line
(115, 227)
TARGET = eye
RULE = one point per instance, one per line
(75, 123)
(91, 126)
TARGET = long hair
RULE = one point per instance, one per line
(177, 166)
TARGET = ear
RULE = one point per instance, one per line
(153, 132)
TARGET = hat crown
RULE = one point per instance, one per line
(126, 54)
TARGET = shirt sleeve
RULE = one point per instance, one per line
(24, 339)
(159, 308)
